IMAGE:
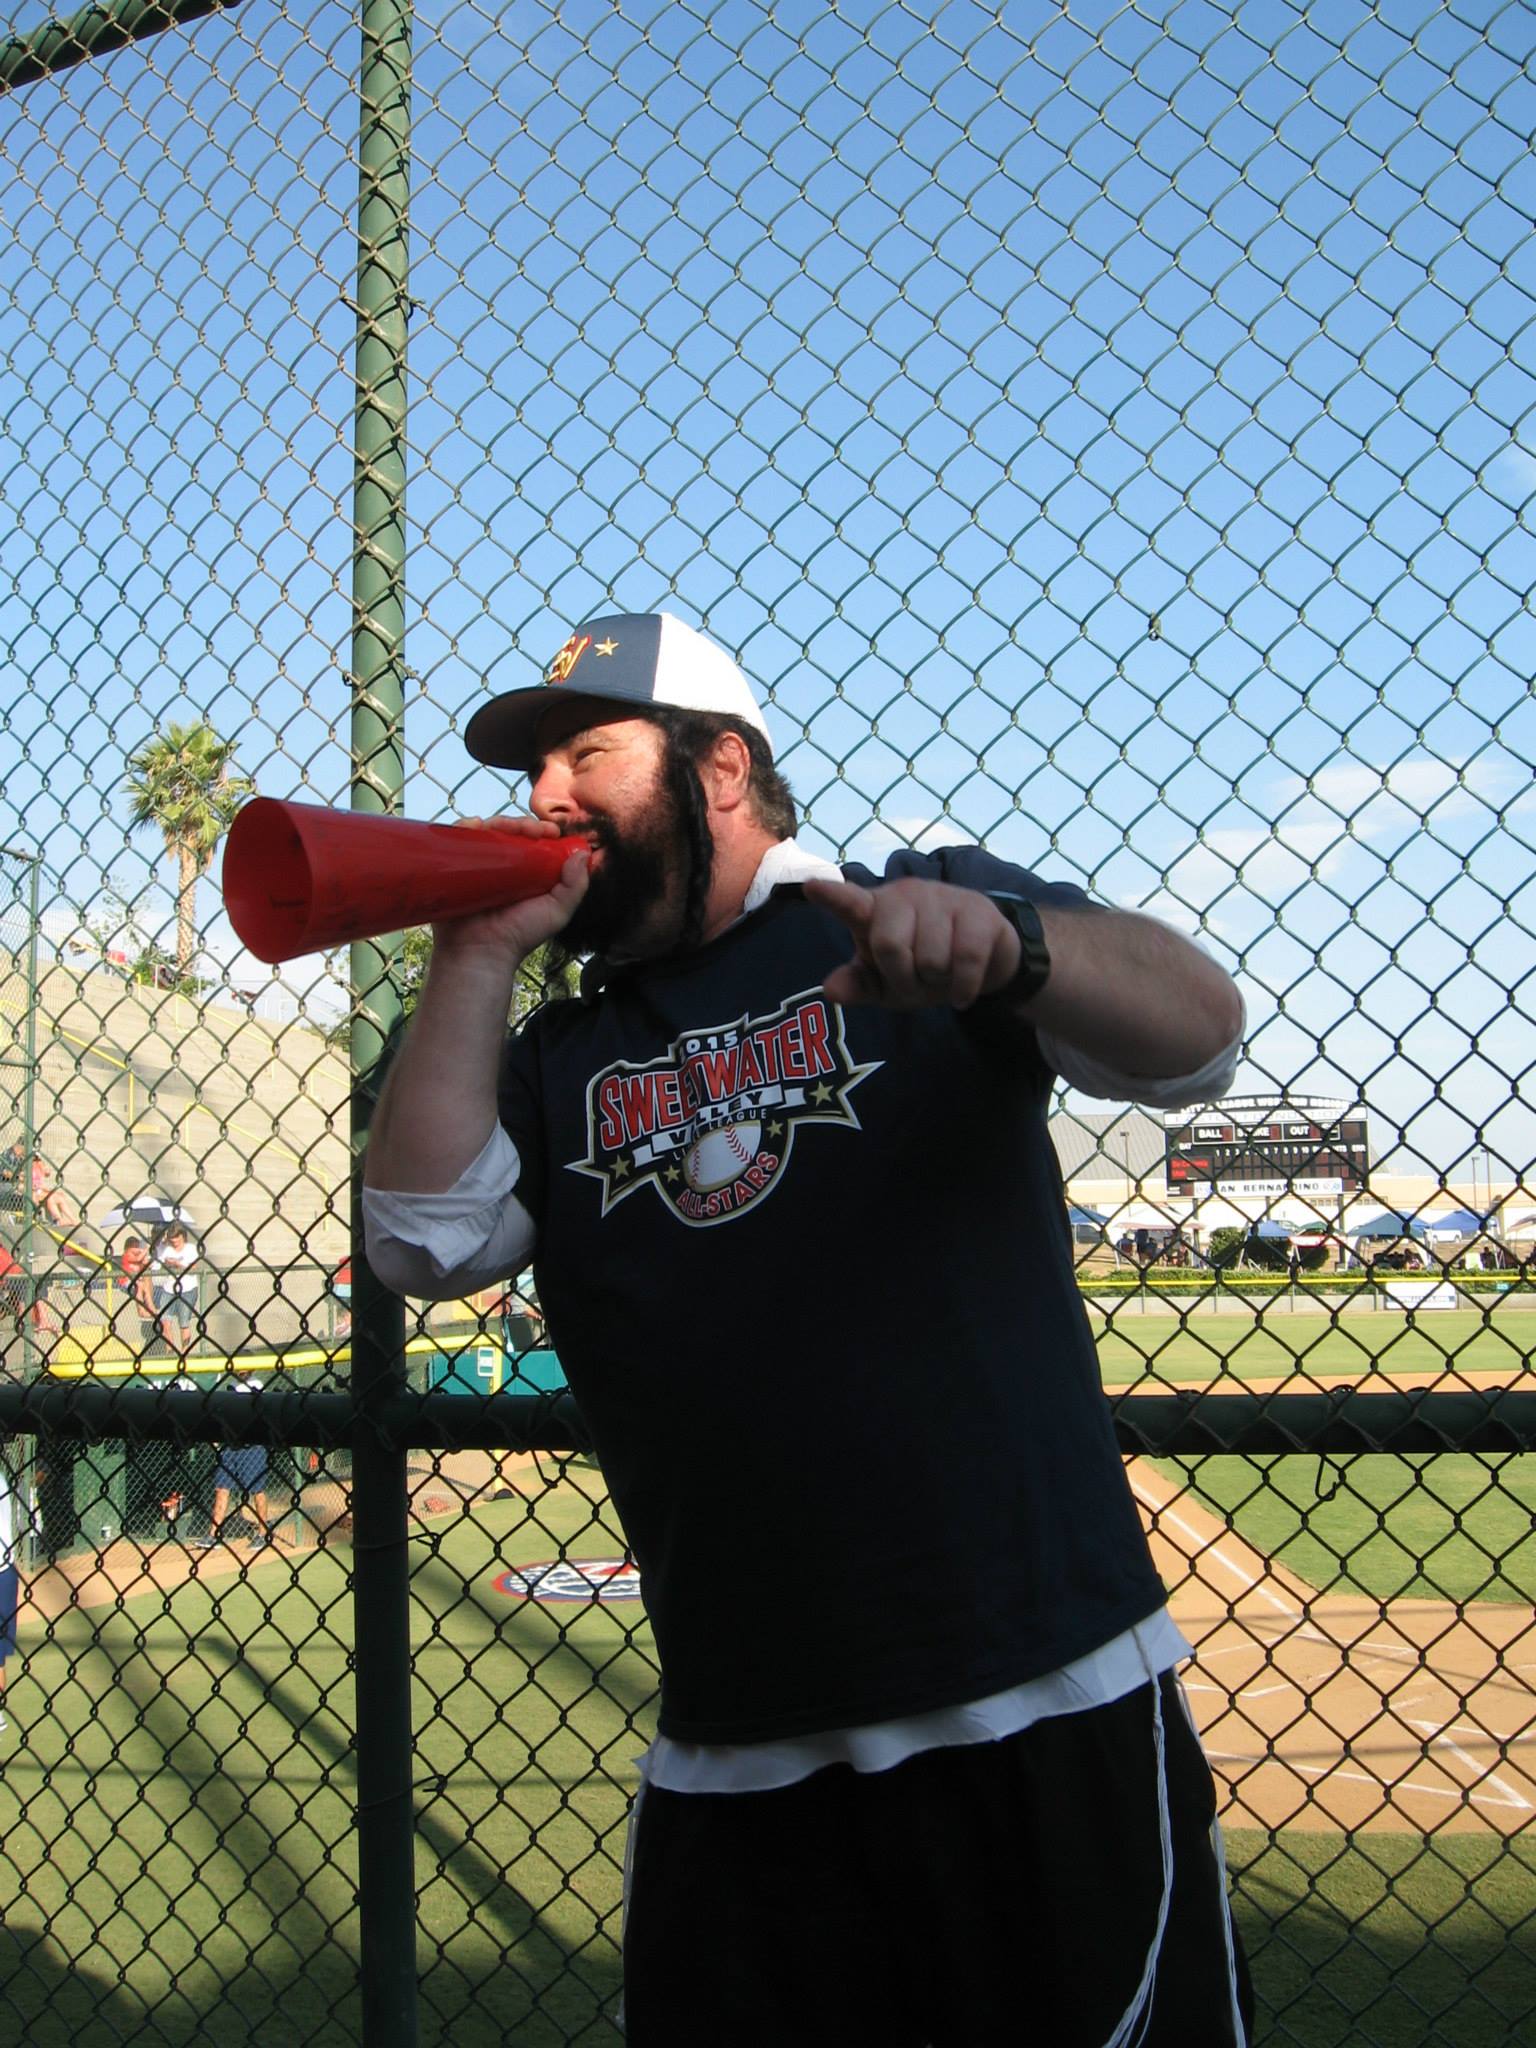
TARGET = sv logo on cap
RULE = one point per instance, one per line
(560, 668)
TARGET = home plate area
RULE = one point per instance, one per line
(1330, 1711)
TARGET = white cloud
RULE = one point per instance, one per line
(1513, 470)
(1421, 783)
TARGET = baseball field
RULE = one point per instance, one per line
(1451, 1526)
(176, 1778)
(178, 1765)
(1257, 1349)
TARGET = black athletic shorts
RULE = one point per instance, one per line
(1061, 1888)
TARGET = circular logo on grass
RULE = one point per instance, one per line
(572, 1578)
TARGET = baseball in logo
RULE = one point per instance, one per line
(720, 1155)
(710, 1125)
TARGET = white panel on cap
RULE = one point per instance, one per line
(696, 675)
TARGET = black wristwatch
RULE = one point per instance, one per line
(1034, 968)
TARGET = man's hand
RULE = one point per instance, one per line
(515, 931)
(917, 944)
(1127, 990)
(438, 1105)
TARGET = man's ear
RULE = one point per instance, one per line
(726, 772)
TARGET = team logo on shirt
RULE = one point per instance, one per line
(710, 1125)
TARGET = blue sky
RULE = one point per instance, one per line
(1104, 431)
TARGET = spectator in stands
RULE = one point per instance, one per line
(522, 1326)
(175, 1287)
(139, 1287)
(48, 1199)
(13, 1166)
(341, 1287)
(13, 1295)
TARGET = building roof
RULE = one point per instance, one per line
(1112, 1147)
(1245, 1111)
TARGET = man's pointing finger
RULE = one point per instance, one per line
(849, 903)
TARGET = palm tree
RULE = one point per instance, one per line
(180, 782)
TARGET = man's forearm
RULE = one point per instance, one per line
(1133, 993)
(438, 1105)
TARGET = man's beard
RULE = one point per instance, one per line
(628, 891)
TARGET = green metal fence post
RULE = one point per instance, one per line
(387, 1897)
(26, 1213)
(29, 1114)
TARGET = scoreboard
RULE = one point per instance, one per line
(1265, 1146)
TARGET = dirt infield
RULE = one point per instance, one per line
(1329, 1711)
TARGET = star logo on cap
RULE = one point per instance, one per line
(606, 647)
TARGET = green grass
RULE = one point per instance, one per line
(1387, 1941)
(1252, 1349)
(176, 1788)
(176, 1792)
(1451, 1526)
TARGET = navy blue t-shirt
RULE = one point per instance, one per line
(809, 1272)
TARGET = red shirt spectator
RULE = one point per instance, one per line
(136, 1280)
(13, 1294)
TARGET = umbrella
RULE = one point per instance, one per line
(152, 1211)
(1389, 1224)
(1271, 1226)
(1075, 1216)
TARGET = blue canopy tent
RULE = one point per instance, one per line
(1391, 1223)
(1459, 1223)
(1262, 1230)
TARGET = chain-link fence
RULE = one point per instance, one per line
(1103, 432)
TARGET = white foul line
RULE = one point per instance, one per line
(1205, 1548)
(1438, 1739)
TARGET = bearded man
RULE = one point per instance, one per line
(923, 1773)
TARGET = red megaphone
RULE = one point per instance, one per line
(299, 877)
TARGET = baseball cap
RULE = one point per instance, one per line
(627, 658)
